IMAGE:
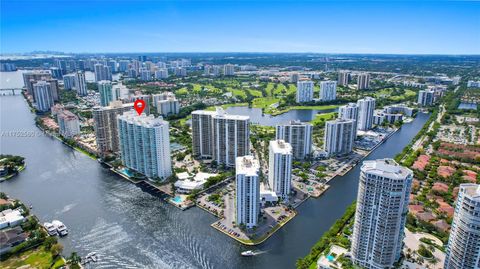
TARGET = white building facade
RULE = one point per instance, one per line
(247, 191)
(339, 137)
(463, 249)
(298, 135)
(328, 91)
(280, 168)
(382, 207)
(145, 144)
(366, 108)
(304, 91)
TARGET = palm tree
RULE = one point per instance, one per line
(74, 259)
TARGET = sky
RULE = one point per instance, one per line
(407, 27)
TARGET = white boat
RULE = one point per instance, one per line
(51, 229)
(61, 228)
(248, 253)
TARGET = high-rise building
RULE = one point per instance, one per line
(382, 207)
(247, 191)
(105, 126)
(102, 72)
(55, 89)
(215, 71)
(298, 135)
(112, 64)
(106, 93)
(425, 97)
(231, 134)
(145, 74)
(349, 112)
(62, 65)
(132, 73)
(43, 96)
(202, 133)
(280, 168)
(343, 78)
(463, 249)
(145, 97)
(161, 73)
(221, 136)
(81, 83)
(304, 91)
(123, 65)
(145, 144)
(81, 65)
(366, 108)
(30, 78)
(363, 81)
(328, 90)
(339, 136)
(229, 70)
(56, 72)
(69, 82)
(68, 123)
(180, 72)
(168, 107)
(162, 96)
(294, 77)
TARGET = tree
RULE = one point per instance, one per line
(56, 249)
(74, 260)
(49, 242)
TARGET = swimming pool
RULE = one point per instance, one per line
(177, 199)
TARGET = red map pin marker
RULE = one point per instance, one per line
(139, 106)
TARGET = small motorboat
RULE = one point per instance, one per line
(248, 253)
(61, 228)
(51, 229)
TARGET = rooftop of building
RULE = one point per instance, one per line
(280, 146)
(142, 120)
(65, 114)
(386, 168)
(247, 165)
(472, 190)
(220, 113)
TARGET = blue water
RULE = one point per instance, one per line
(177, 199)
(257, 117)
(330, 258)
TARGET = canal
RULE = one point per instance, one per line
(131, 228)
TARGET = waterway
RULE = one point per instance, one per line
(131, 228)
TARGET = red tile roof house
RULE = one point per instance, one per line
(447, 210)
(440, 187)
(421, 162)
(415, 209)
(441, 225)
(445, 171)
(470, 176)
(425, 216)
(455, 192)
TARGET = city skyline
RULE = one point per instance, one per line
(167, 26)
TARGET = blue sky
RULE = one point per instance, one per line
(408, 27)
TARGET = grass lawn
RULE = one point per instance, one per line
(36, 258)
(264, 102)
(322, 118)
(236, 92)
(182, 91)
(256, 93)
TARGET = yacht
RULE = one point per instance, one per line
(248, 253)
(51, 229)
(61, 228)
